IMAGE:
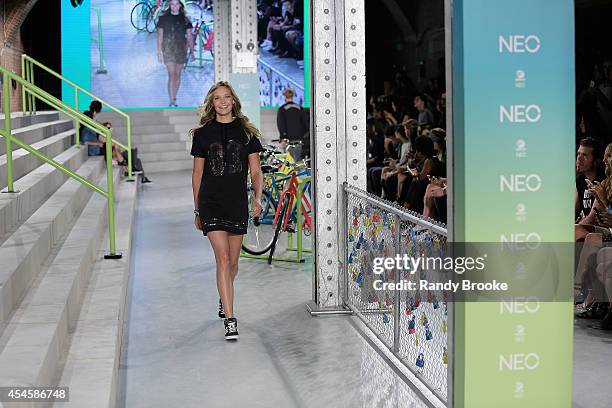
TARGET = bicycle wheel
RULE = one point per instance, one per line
(152, 19)
(194, 12)
(139, 15)
(279, 223)
(258, 239)
(267, 205)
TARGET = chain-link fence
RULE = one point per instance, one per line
(413, 324)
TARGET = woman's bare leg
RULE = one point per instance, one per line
(178, 70)
(225, 285)
(170, 68)
(592, 244)
(428, 202)
(235, 243)
(604, 270)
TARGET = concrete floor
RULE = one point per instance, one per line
(592, 366)
(174, 353)
(135, 79)
(173, 345)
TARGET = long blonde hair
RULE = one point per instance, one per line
(207, 113)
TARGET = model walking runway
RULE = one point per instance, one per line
(173, 345)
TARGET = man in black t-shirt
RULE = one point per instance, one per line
(292, 122)
(588, 170)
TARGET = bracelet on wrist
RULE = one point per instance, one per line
(196, 212)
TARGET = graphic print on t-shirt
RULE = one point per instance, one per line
(233, 162)
(587, 202)
(216, 159)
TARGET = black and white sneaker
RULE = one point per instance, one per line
(231, 328)
(221, 311)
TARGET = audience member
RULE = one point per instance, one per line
(119, 155)
(281, 31)
(593, 266)
(588, 171)
(426, 118)
(136, 162)
(427, 165)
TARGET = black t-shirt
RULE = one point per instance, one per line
(222, 199)
(175, 30)
(586, 200)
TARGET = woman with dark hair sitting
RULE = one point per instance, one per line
(427, 165)
(136, 162)
(96, 144)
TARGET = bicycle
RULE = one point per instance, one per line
(145, 14)
(203, 37)
(261, 238)
(276, 173)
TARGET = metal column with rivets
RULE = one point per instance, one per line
(243, 17)
(338, 136)
(223, 53)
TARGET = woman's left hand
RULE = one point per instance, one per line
(257, 208)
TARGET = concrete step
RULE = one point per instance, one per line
(24, 162)
(148, 129)
(171, 165)
(151, 118)
(18, 119)
(164, 156)
(25, 250)
(161, 147)
(34, 188)
(191, 120)
(38, 336)
(92, 364)
(179, 112)
(35, 133)
(155, 138)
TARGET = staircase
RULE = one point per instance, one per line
(162, 137)
(61, 303)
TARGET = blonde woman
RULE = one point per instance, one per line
(225, 147)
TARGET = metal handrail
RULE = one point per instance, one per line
(6, 132)
(101, 69)
(27, 70)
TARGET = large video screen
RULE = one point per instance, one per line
(151, 53)
(281, 35)
(135, 53)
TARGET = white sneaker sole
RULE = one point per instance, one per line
(232, 337)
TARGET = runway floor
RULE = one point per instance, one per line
(174, 353)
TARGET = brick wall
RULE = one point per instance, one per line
(12, 15)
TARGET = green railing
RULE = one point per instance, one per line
(6, 132)
(29, 102)
(101, 68)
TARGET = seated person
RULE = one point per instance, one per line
(95, 143)
(394, 167)
(427, 164)
(434, 202)
(136, 162)
(594, 230)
